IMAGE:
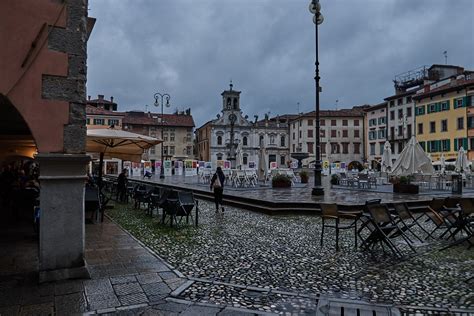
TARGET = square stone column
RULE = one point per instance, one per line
(62, 240)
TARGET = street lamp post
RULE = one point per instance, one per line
(159, 100)
(315, 9)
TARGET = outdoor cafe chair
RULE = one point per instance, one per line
(169, 204)
(187, 204)
(330, 212)
(464, 223)
(406, 219)
(385, 230)
(153, 200)
(440, 216)
(140, 195)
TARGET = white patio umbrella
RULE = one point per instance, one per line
(412, 160)
(116, 143)
(386, 164)
(462, 164)
(442, 162)
(262, 164)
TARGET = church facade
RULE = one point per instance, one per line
(232, 136)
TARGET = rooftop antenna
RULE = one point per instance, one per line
(445, 53)
(337, 101)
(298, 107)
(146, 108)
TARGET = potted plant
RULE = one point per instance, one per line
(281, 181)
(403, 185)
(304, 176)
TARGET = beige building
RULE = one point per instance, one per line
(375, 133)
(342, 135)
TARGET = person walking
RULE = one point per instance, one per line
(217, 183)
(122, 186)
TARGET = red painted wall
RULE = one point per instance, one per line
(20, 23)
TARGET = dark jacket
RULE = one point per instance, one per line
(221, 178)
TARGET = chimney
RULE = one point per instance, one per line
(101, 96)
(112, 99)
(89, 97)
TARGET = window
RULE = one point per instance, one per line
(344, 122)
(420, 110)
(310, 133)
(446, 146)
(356, 133)
(310, 147)
(188, 137)
(381, 133)
(244, 141)
(172, 137)
(445, 106)
(470, 122)
(382, 120)
(323, 148)
(219, 156)
(372, 149)
(408, 100)
(219, 140)
(420, 128)
(372, 135)
(444, 125)
(432, 127)
(356, 148)
(152, 150)
(381, 147)
(432, 146)
(400, 147)
(272, 139)
(372, 122)
(282, 161)
(294, 148)
(345, 148)
(356, 122)
(322, 133)
(400, 101)
(334, 148)
(294, 126)
(392, 103)
(165, 137)
(409, 112)
(333, 123)
(392, 115)
(189, 150)
(260, 141)
(282, 141)
(400, 114)
(392, 132)
(333, 133)
(400, 130)
(345, 133)
(460, 122)
(88, 121)
(301, 134)
(300, 122)
(431, 107)
(172, 150)
(245, 159)
(322, 122)
(409, 131)
(293, 135)
(99, 122)
(310, 122)
(165, 150)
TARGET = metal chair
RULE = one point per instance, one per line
(330, 212)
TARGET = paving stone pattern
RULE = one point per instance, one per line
(232, 252)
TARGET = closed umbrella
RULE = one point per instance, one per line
(116, 143)
(462, 164)
(442, 162)
(262, 165)
(413, 159)
(387, 158)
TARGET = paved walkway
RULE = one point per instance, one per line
(126, 278)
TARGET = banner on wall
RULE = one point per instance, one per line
(157, 167)
(188, 168)
(220, 163)
(147, 166)
(127, 165)
(252, 165)
(136, 169)
(227, 164)
(167, 165)
(208, 165)
(178, 168)
(201, 164)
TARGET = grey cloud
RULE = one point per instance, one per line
(192, 48)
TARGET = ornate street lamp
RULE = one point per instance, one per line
(315, 9)
(159, 101)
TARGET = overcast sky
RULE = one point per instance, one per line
(191, 49)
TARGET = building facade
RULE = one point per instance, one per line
(342, 135)
(441, 109)
(232, 136)
(375, 133)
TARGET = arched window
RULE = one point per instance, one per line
(272, 139)
(219, 140)
(245, 159)
(244, 141)
(219, 156)
(261, 140)
(229, 101)
(236, 106)
(282, 141)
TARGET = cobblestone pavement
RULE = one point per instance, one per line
(275, 263)
(126, 278)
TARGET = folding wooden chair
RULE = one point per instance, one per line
(329, 211)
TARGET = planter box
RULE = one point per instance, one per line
(405, 188)
(281, 185)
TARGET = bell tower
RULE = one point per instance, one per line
(231, 99)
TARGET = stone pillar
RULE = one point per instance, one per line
(62, 233)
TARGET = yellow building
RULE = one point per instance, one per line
(441, 117)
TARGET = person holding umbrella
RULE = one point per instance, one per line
(217, 183)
